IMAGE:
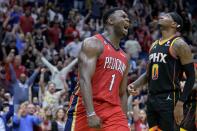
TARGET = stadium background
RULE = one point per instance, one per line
(55, 29)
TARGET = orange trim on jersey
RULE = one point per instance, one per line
(154, 43)
(72, 113)
(70, 103)
(154, 128)
(74, 116)
(161, 42)
(78, 89)
(171, 51)
(174, 86)
(182, 129)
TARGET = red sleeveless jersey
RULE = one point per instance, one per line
(108, 75)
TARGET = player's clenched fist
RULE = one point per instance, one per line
(94, 121)
(132, 89)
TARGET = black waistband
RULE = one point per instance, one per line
(164, 92)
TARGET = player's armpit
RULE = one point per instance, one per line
(182, 51)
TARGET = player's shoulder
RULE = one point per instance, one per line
(92, 44)
(91, 39)
(180, 43)
(124, 54)
(182, 50)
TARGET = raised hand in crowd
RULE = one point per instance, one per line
(10, 56)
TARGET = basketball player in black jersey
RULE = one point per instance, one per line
(168, 57)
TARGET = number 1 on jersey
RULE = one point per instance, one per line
(112, 82)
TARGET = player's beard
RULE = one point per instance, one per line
(161, 27)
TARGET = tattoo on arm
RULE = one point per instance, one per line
(182, 51)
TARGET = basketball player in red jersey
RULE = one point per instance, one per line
(99, 102)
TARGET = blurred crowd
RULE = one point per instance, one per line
(39, 44)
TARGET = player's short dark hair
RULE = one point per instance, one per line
(178, 19)
(108, 13)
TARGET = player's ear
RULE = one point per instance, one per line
(110, 21)
(174, 25)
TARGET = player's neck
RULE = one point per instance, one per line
(110, 36)
(167, 34)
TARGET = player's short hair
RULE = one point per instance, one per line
(108, 13)
(178, 19)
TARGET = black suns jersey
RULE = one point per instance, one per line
(163, 69)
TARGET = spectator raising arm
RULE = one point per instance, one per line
(51, 67)
(16, 118)
(41, 82)
(65, 86)
(13, 74)
(24, 121)
(33, 77)
(67, 69)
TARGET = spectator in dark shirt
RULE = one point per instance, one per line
(28, 60)
(39, 40)
(15, 15)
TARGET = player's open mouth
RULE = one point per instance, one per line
(126, 27)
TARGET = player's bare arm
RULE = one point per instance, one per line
(90, 50)
(123, 88)
(142, 80)
(183, 52)
(195, 84)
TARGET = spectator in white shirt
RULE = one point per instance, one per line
(73, 48)
(56, 74)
